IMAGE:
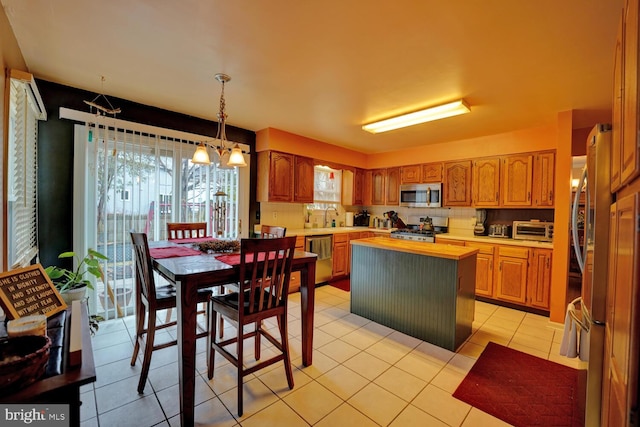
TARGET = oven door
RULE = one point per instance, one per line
(420, 195)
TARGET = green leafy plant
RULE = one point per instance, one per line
(65, 279)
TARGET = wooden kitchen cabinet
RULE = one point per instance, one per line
(392, 190)
(290, 178)
(378, 183)
(367, 191)
(486, 182)
(303, 176)
(457, 183)
(353, 187)
(616, 111)
(358, 187)
(432, 172)
(544, 165)
(411, 174)
(517, 175)
(340, 255)
(484, 268)
(539, 283)
(512, 274)
(629, 151)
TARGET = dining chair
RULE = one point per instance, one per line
(265, 269)
(272, 231)
(149, 300)
(186, 230)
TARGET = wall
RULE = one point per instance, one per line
(10, 57)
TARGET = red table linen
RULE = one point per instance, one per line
(172, 252)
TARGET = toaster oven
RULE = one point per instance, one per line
(533, 230)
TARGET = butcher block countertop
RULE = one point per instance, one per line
(419, 248)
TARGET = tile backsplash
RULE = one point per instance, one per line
(292, 215)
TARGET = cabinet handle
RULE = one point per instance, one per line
(547, 262)
(529, 196)
(550, 196)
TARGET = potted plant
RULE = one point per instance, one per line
(73, 284)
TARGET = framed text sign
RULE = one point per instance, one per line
(27, 291)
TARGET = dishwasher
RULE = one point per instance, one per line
(321, 245)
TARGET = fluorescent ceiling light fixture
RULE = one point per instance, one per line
(438, 112)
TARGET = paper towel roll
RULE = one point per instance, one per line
(349, 219)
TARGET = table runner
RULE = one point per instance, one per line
(173, 251)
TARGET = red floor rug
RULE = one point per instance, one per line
(524, 390)
(344, 284)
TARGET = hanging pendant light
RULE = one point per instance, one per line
(235, 154)
(201, 156)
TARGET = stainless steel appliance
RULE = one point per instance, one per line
(424, 230)
(593, 259)
(414, 234)
(500, 230)
(321, 245)
(421, 195)
(533, 230)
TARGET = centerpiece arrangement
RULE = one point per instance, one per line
(217, 246)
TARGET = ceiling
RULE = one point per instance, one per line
(322, 69)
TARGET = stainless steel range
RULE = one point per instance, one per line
(418, 235)
(424, 231)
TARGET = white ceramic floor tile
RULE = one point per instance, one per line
(377, 403)
(255, 397)
(347, 416)
(412, 416)
(313, 402)
(400, 383)
(367, 365)
(478, 418)
(343, 382)
(274, 415)
(339, 350)
(442, 405)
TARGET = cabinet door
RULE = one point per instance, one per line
(378, 184)
(543, 179)
(411, 174)
(457, 183)
(517, 172)
(392, 196)
(358, 187)
(280, 177)
(432, 172)
(511, 278)
(539, 284)
(340, 255)
(486, 182)
(617, 106)
(484, 268)
(367, 193)
(630, 147)
(303, 180)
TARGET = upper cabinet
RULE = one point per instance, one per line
(367, 192)
(411, 174)
(378, 179)
(517, 175)
(353, 187)
(432, 172)
(486, 182)
(392, 192)
(544, 166)
(457, 183)
(289, 178)
(617, 106)
(629, 158)
(303, 180)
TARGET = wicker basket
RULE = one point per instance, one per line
(22, 361)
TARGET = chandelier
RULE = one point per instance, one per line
(221, 145)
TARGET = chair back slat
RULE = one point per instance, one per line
(144, 268)
(186, 230)
(265, 269)
(272, 231)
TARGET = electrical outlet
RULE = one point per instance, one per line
(275, 215)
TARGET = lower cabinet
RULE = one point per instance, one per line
(484, 268)
(539, 285)
(340, 255)
(294, 280)
(512, 274)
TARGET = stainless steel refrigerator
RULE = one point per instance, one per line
(593, 258)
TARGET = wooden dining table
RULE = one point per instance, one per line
(188, 274)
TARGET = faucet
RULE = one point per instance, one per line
(326, 223)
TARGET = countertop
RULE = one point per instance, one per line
(334, 230)
(437, 250)
(497, 240)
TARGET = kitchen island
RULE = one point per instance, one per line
(425, 290)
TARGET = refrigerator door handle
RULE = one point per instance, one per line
(580, 255)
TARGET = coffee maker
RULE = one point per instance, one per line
(481, 216)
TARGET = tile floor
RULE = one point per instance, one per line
(363, 374)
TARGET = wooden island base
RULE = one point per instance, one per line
(426, 290)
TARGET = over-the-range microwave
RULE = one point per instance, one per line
(421, 195)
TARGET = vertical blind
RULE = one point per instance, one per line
(25, 109)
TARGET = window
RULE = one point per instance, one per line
(327, 187)
(21, 202)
